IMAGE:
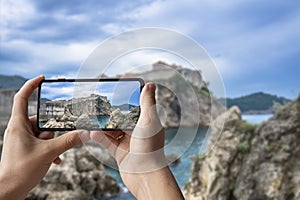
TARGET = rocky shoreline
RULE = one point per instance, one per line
(250, 162)
(118, 120)
(76, 113)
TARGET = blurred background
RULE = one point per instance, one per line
(255, 46)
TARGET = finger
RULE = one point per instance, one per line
(149, 122)
(106, 141)
(34, 127)
(20, 105)
(148, 97)
(71, 139)
(46, 135)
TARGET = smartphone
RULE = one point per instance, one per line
(90, 104)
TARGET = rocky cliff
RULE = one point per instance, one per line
(175, 87)
(118, 120)
(79, 176)
(92, 105)
(250, 162)
(74, 113)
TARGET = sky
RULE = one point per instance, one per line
(118, 93)
(254, 44)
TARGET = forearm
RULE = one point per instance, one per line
(11, 188)
(159, 184)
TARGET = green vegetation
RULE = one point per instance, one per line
(232, 185)
(205, 92)
(248, 130)
(244, 146)
(286, 148)
(258, 102)
(219, 172)
(246, 127)
(182, 86)
(196, 158)
(187, 185)
(277, 106)
(273, 147)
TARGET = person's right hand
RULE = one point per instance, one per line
(140, 154)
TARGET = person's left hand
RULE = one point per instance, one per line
(28, 153)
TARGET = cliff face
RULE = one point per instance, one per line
(175, 87)
(118, 120)
(249, 162)
(92, 105)
(74, 113)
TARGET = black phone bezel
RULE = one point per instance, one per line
(141, 81)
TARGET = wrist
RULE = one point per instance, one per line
(11, 187)
(159, 184)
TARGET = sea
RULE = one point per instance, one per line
(100, 120)
(181, 170)
(103, 120)
(256, 119)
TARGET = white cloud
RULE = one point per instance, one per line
(43, 57)
(14, 14)
(241, 37)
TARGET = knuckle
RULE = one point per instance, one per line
(11, 129)
(70, 140)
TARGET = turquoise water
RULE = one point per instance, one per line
(100, 120)
(182, 170)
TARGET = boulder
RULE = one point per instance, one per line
(79, 176)
(123, 121)
(53, 123)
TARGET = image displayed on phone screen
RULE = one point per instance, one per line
(69, 105)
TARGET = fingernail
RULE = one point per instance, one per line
(152, 87)
(42, 76)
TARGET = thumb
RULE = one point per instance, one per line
(148, 105)
(148, 121)
(69, 140)
(148, 97)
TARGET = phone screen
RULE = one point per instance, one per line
(92, 104)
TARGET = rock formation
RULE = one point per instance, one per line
(67, 120)
(118, 120)
(92, 105)
(248, 162)
(84, 122)
(74, 113)
(79, 176)
(175, 87)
